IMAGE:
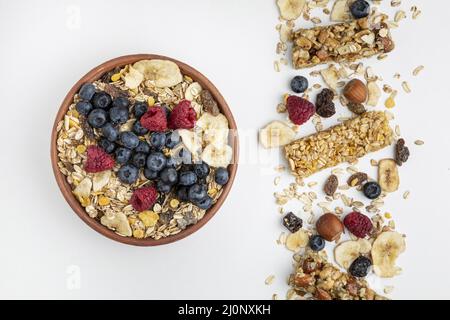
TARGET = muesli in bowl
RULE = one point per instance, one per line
(146, 150)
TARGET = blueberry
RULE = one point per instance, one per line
(183, 156)
(299, 84)
(118, 115)
(197, 192)
(101, 100)
(150, 174)
(129, 139)
(128, 174)
(121, 102)
(201, 169)
(316, 243)
(360, 9)
(110, 132)
(187, 178)
(204, 203)
(360, 267)
(372, 190)
(143, 147)
(169, 176)
(157, 140)
(156, 161)
(221, 176)
(139, 129)
(163, 187)
(87, 91)
(107, 145)
(83, 107)
(171, 163)
(123, 155)
(139, 159)
(140, 108)
(182, 193)
(97, 118)
(172, 139)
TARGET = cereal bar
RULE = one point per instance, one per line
(316, 278)
(342, 143)
(343, 42)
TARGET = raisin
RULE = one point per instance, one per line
(324, 103)
(357, 179)
(292, 222)
(401, 152)
(209, 103)
(356, 108)
(331, 185)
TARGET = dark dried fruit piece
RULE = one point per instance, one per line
(360, 267)
(292, 222)
(87, 129)
(357, 179)
(401, 152)
(324, 103)
(209, 103)
(106, 77)
(331, 185)
(356, 108)
(114, 92)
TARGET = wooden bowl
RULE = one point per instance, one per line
(66, 189)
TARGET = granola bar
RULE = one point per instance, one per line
(316, 278)
(343, 42)
(342, 143)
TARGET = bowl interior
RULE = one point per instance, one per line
(66, 189)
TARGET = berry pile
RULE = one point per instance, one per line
(146, 148)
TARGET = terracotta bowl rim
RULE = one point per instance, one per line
(65, 188)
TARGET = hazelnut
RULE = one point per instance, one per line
(329, 227)
(356, 91)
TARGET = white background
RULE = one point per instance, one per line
(46, 46)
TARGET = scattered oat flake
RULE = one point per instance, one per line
(406, 195)
(388, 289)
(280, 168)
(276, 66)
(399, 15)
(419, 142)
(275, 296)
(269, 280)
(374, 162)
(276, 181)
(405, 86)
(312, 184)
(417, 70)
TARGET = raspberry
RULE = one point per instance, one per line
(155, 119)
(183, 116)
(300, 110)
(358, 224)
(98, 160)
(143, 198)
